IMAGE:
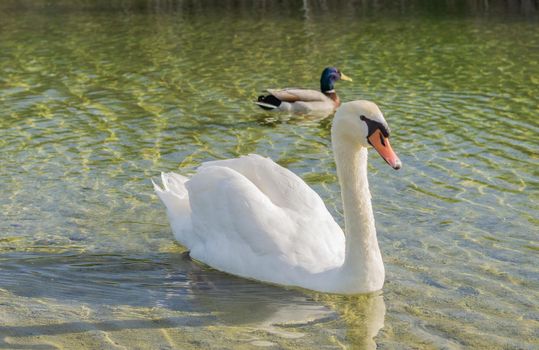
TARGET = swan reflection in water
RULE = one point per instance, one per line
(284, 314)
(167, 293)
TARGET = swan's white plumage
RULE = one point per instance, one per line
(251, 217)
(176, 199)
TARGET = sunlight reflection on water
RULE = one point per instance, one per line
(95, 103)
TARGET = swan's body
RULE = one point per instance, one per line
(253, 218)
(304, 100)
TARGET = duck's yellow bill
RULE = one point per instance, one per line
(345, 77)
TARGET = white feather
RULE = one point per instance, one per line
(251, 217)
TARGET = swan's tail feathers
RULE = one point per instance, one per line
(268, 102)
(175, 197)
(174, 183)
(173, 194)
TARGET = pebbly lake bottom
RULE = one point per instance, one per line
(100, 301)
(98, 97)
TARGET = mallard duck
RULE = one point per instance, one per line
(304, 100)
(251, 217)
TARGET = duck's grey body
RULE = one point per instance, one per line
(305, 100)
(302, 101)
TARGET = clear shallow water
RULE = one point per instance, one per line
(97, 98)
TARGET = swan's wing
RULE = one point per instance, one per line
(242, 225)
(283, 188)
(227, 207)
(294, 95)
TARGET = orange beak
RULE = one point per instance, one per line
(381, 144)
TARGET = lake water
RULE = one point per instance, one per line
(98, 97)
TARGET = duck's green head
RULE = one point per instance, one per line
(329, 76)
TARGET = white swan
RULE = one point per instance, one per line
(253, 218)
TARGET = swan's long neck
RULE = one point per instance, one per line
(363, 262)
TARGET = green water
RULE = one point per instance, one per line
(97, 98)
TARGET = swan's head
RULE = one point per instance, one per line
(329, 76)
(362, 122)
